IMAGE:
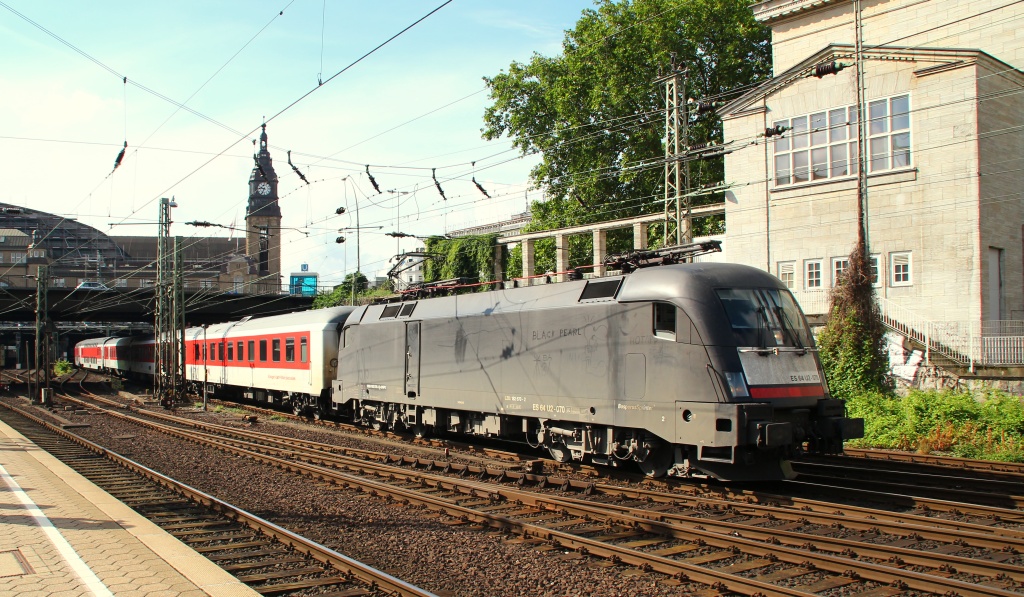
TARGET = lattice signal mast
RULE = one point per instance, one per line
(169, 327)
(677, 173)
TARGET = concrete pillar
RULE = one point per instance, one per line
(499, 263)
(600, 252)
(527, 261)
(639, 236)
(561, 256)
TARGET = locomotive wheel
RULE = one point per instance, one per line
(657, 463)
(559, 453)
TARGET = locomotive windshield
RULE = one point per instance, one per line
(765, 317)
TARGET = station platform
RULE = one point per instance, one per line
(61, 535)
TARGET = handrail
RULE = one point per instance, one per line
(972, 342)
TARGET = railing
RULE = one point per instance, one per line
(970, 343)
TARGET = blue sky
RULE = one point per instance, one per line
(67, 117)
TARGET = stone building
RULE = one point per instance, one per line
(944, 142)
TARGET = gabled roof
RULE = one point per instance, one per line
(845, 53)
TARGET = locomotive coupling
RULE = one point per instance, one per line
(773, 435)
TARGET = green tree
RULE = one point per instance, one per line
(342, 293)
(596, 116)
(468, 257)
(852, 344)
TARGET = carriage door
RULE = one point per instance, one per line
(412, 358)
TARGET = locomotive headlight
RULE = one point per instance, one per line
(737, 385)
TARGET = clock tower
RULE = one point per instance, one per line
(263, 221)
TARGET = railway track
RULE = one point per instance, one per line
(746, 549)
(266, 557)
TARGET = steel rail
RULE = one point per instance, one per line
(964, 464)
(368, 575)
(726, 539)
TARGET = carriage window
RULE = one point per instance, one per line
(196, 347)
(231, 351)
(289, 350)
(276, 353)
(220, 351)
(303, 349)
(263, 351)
(211, 354)
(204, 353)
(251, 349)
(239, 351)
(665, 321)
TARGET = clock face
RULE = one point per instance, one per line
(263, 188)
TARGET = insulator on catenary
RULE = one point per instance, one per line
(433, 174)
(700, 146)
(479, 186)
(706, 106)
(828, 68)
(120, 156)
(373, 180)
(775, 130)
(296, 169)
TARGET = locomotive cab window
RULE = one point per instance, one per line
(289, 350)
(765, 318)
(263, 351)
(303, 349)
(276, 352)
(665, 321)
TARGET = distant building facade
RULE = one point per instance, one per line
(77, 253)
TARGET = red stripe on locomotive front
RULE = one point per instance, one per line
(764, 392)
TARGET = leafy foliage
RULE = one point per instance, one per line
(62, 367)
(469, 257)
(987, 425)
(342, 293)
(853, 342)
(596, 115)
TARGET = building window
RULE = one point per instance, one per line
(17, 258)
(817, 146)
(899, 266)
(146, 282)
(121, 283)
(787, 273)
(206, 283)
(839, 267)
(889, 133)
(875, 263)
(823, 145)
(59, 283)
(812, 274)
